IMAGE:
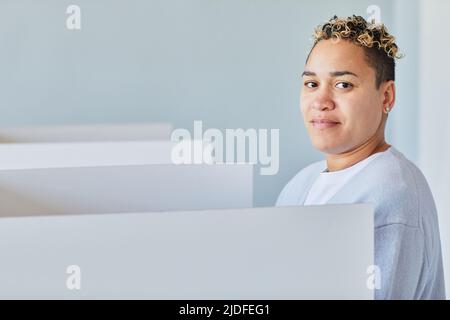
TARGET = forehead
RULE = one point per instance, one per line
(329, 55)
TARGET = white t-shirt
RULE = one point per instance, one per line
(329, 183)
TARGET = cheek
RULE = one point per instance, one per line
(304, 103)
(362, 118)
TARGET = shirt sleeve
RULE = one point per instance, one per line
(400, 254)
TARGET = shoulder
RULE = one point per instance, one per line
(297, 185)
(399, 190)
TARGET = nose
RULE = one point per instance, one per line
(323, 102)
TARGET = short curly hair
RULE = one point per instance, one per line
(379, 46)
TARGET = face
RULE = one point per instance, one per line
(341, 105)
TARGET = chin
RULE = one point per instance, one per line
(328, 147)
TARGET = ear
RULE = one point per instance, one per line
(387, 91)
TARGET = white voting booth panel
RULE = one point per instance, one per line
(84, 154)
(80, 133)
(262, 253)
(86, 190)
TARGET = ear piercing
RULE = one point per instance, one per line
(387, 110)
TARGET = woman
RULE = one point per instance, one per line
(347, 94)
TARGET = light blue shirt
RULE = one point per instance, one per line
(407, 241)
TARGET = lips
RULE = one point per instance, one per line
(324, 123)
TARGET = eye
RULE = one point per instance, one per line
(344, 85)
(310, 84)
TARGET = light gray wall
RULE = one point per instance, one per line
(404, 120)
(229, 63)
(434, 112)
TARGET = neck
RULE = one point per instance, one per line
(345, 160)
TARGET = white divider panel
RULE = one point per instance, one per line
(268, 253)
(80, 133)
(82, 154)
(124, 189)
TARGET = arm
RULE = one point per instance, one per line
(400, 254)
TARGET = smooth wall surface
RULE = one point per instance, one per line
(434, 114)
(121, 189)
(191, 255)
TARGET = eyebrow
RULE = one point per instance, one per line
(333, 74)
